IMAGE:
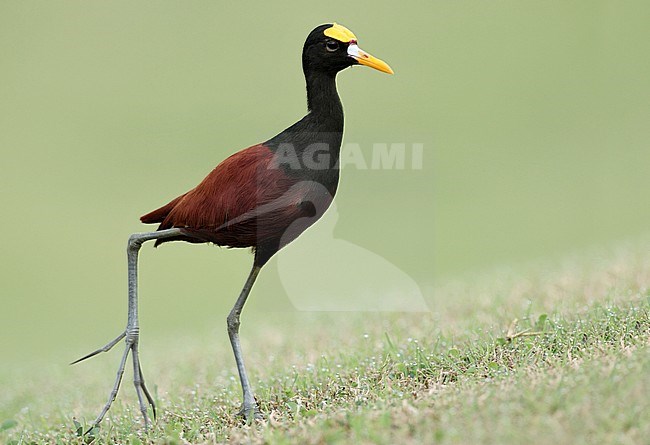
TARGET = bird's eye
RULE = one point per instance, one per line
(332, 45)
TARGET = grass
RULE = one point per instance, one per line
(546, 354)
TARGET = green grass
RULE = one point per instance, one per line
(546, 354)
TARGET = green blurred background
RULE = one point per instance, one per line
(534, 118)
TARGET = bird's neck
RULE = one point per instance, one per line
(322, 98)
(310, 148)
(323, 124)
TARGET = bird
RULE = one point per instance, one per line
(262, 197)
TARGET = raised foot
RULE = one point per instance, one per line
(131, 338)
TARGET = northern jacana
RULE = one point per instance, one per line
(261, 197)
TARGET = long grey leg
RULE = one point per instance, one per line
(132, 332)
(249, 407)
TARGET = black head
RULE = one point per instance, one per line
(331, 48)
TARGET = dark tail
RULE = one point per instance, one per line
(158, 216)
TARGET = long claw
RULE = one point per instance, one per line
(91, 429)
(147, 394)
(138, 382)
(105, 348)
(116, 387)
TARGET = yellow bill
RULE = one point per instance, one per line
(366, 59)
